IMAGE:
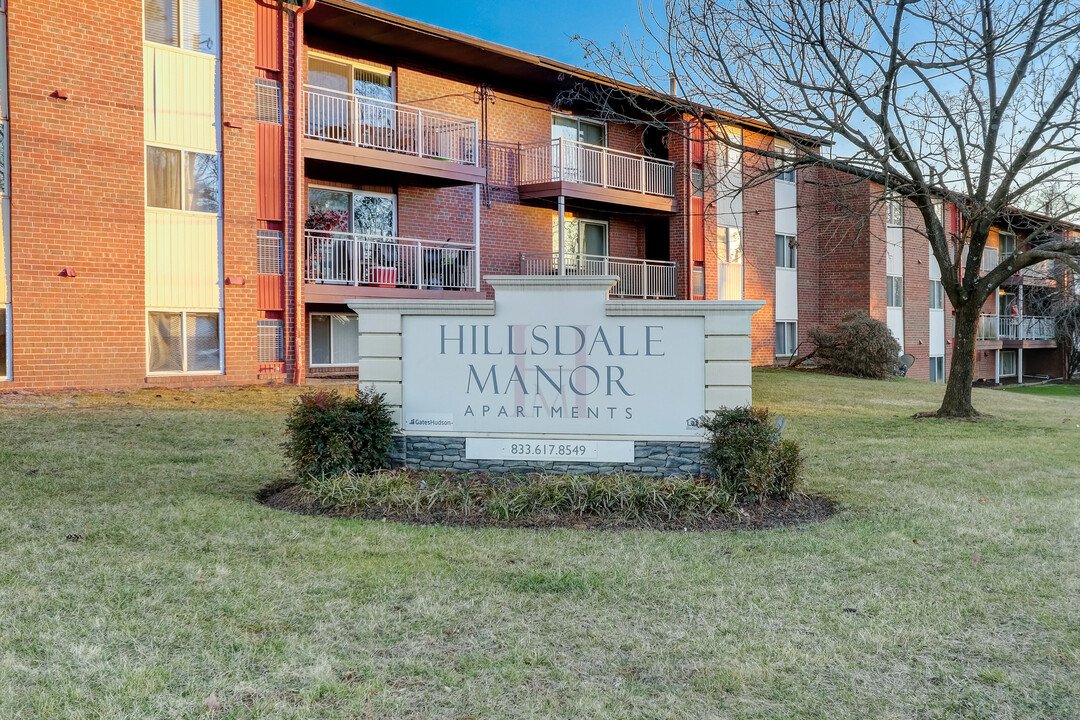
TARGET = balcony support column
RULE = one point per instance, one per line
(476, 236)
(562, 235)
(997, 367)
(1020, 364)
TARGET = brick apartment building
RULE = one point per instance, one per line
(193, 189)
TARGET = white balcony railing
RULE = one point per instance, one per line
(988, 327)
(370, 123)
(637, 278)
(571, 161)
(1026, 327)
(339, 258)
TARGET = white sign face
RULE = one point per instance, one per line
(557, 449)
(553, 364)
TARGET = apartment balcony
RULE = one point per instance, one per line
(1027, 331)
(339, 266)
(596, 175)
(638, 278)
(434, 148)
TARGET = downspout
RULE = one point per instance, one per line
(298, 225)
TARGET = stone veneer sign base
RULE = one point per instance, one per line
(553, 376)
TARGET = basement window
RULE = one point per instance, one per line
(184, 342)
(786, 339)
(335, 340)
(5, 372)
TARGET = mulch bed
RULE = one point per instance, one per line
(801, 510)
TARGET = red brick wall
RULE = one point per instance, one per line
(77, 194)
(78, 199)
(759, 249)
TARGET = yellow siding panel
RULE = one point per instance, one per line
(180, 98)
(182, 260)
(5, 244)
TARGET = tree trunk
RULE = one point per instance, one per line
(957, 400)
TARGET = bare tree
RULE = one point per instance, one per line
(972, 102)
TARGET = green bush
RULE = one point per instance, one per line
(327, 434)
(646, 500)
(747, 457)
(860, 346)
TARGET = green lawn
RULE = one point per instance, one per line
(1070, 390)
(184, 586)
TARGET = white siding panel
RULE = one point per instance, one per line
(894, 251)
(182, 265)
(937, 332)
(894, 318)
(180, 98)
(786, 214)
(787, 295)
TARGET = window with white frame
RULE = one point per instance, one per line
(184, 342)
(568, 127)
(937, 295)
(271, 340)
(786, 339)
(786, 251)
(187, 24)
(937, 368)
(939, 210)
(334, 339)
(270, 251)
(894, 291)
(183, 180)
(785, 170)
(894, 211)
(1007, 360)
(1007, 244)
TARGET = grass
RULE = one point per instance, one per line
(1069, 390)
(185, 587)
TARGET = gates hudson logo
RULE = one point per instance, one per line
(555, 371)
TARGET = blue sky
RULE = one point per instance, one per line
(541, 27)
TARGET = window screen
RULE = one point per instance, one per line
(203, 342)
(166, 342)
(271, 341)
(270, 251)
(183, 342)
(268, 101)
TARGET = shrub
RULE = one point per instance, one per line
(860, 346)
(746, 455)
(645, 500)
(327, 434)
